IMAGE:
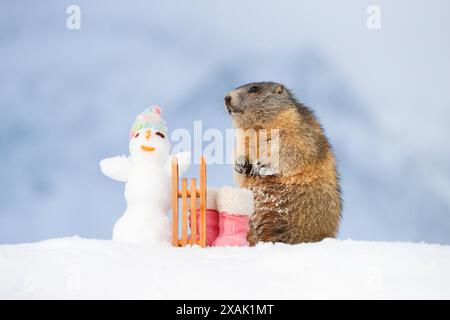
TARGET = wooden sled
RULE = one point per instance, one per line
(192, 193)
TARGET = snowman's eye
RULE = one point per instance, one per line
(136, 135)
(160, 134)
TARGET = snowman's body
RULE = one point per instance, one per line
(147, 191)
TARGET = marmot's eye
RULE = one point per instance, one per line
(253, 89)
(160, 134)
(136, 135)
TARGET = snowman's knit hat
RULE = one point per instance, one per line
(150, 118)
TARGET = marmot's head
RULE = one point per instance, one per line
(257, 102)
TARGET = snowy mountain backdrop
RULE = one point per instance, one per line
(69, 97)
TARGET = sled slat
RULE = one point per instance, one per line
(184, 208)
(193, 211)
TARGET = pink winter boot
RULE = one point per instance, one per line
(212, 217)
(235, 206)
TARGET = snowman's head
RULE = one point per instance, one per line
(148, 136)
(149, 145)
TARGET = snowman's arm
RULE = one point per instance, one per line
(184, 161)
(117, 168)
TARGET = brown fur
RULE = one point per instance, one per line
(302, 201)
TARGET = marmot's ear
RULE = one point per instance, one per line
(278, 89)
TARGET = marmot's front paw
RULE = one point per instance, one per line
(262, 168)
(242, 166)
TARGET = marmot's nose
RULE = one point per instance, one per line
(228, 101)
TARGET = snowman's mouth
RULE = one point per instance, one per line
(145, 148)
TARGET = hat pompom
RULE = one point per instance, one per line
(157, 109)
(151, 119)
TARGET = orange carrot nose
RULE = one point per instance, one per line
(147, 134)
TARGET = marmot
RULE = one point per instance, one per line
(300, 200)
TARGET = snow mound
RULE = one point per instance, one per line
(75, 268)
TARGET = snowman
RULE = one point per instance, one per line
(147, 173)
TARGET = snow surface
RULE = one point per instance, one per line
(84, 268)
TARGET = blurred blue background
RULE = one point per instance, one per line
(69, 97)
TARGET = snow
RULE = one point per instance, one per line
(85, 268)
